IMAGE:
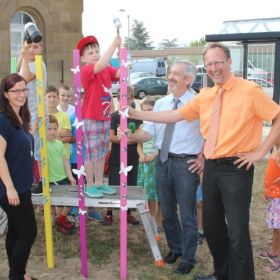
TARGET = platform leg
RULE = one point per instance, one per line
(150, 228)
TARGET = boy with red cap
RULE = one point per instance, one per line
(97, 76)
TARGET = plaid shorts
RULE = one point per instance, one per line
(96, 137)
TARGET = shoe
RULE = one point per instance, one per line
(65, 223)
(108, 220)
(63, 230)
(207, 277)
(37, 189)
(94, 215)
(132, 221)
(184, 268)
(267, 256)
(106, 189)
(200, 238)
(274, 267)
(74, 211)
(171, 257)
(93, 192)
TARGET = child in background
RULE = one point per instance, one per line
(59, 174)
(97, 76)
(64, 95)
(272, 194)
(64, 130)
(114, 161)
(147, 169)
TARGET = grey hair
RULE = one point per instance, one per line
(190, 70)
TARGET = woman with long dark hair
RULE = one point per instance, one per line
(16, 173)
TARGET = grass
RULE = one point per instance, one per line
(103, 249)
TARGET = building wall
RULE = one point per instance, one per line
(60, 22)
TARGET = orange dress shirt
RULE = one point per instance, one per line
(245, 106)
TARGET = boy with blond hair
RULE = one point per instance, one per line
(59, 174)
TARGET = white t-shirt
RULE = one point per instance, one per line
(32, 102)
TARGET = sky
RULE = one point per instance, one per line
(181, 19)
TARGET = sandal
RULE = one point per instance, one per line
(274, 267)
(266, 255)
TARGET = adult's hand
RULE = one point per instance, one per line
(196, 165)
(12, 196)
(248, 159)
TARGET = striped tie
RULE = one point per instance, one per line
(210, 143)
(166, 141)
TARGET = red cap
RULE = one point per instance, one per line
(86, 41)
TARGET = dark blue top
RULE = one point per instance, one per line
(18, 156)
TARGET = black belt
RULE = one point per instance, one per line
(223, 161)
(180, 156)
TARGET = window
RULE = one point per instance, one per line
(17, 31)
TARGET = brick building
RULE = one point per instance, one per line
(60, 22)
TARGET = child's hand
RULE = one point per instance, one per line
(142, 158)
(150, 158)
(117, 41)
(277, 181)
(24, 51)
(72, 181)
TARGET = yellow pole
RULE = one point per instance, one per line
(44, 160)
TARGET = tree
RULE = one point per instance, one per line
(165, 43)
(140, 37)
(198, 43)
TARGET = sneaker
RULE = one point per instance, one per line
(93, 192)
(94, 215)
(131, 220)
(37, 189)
(108, 220)
(63, 230)
(106, 189)
(74, 211)
(65, 223)
(200, 238)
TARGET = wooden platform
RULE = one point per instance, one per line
(68, 195)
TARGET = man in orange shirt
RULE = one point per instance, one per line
(228, 171)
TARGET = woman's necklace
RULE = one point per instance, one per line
(29, 140)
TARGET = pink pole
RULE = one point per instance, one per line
(123, 161)
(80, 166)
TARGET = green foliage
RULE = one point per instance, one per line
(165, 43)
(139, 40)
(198, 43)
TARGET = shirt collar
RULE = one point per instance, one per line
(184, 98)
(227, 86)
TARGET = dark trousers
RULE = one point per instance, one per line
(22, 231)
(114, 176)
(227, 194)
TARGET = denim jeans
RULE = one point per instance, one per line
(227, 194)
(177, 186)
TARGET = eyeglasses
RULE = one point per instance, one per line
(215, 63)
(18, 91)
